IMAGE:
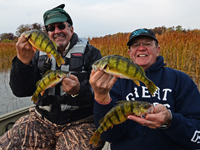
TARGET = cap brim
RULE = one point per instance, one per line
(54, 20)
(130, 40)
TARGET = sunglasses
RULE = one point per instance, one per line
(52, 28)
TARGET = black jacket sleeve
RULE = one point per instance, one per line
(23, 78)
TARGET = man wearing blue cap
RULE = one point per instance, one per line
(175, 121)
(63, 116)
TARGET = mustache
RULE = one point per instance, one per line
(59, 35)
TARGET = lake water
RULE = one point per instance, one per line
(9, 102)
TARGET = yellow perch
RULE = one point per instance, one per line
(124, 68)
(50, 79)
(118, 114)
(40, 41)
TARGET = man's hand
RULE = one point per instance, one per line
(71, 85)
(25, 51)
(101, 83)
(159, 117)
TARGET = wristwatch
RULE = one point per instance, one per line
(168, 122)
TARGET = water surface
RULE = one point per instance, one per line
(9, 102)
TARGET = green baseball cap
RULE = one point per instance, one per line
(56, 14)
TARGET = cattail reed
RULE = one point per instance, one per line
(7, 53)
(181, 50)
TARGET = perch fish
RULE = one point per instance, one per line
(40, 41)
(124, 68)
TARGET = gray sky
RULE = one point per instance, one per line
(92, 18)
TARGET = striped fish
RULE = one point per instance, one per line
(40, 41)
(50, 79)
(118, 114)
(124, 68)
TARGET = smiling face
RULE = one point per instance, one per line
(61, 36)
(144, 51)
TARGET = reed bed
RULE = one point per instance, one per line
(112, 44)
(7, 53)
(181, 50)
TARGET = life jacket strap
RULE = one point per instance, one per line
(55, 100)
(59, 100)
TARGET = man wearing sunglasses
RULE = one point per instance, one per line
(63, 116)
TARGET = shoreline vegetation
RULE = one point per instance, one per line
(181, 50)
(7, 53)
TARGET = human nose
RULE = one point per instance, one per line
(57, 30)
(141, 46)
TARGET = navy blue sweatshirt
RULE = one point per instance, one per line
(177, 92)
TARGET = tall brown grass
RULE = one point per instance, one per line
(181, 50)
(7, 53)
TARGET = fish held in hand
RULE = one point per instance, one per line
(40, 41)
(124, 68)
(119, 114)
(50, 79)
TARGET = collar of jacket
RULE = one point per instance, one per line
(157, 65)
(73, 40)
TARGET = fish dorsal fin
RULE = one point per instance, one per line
(119, 102)
(48, 71)
(27, 35)
(38, 83)
(101, 120)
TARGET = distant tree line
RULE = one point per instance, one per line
(10, 37)
(163, 29)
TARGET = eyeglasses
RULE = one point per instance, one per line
(52, 28)
(145, 44)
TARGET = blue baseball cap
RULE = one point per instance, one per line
(139, 33)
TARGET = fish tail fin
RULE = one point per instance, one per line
(95, 138)
(60, 60)
(34, 98)
(152, 87)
